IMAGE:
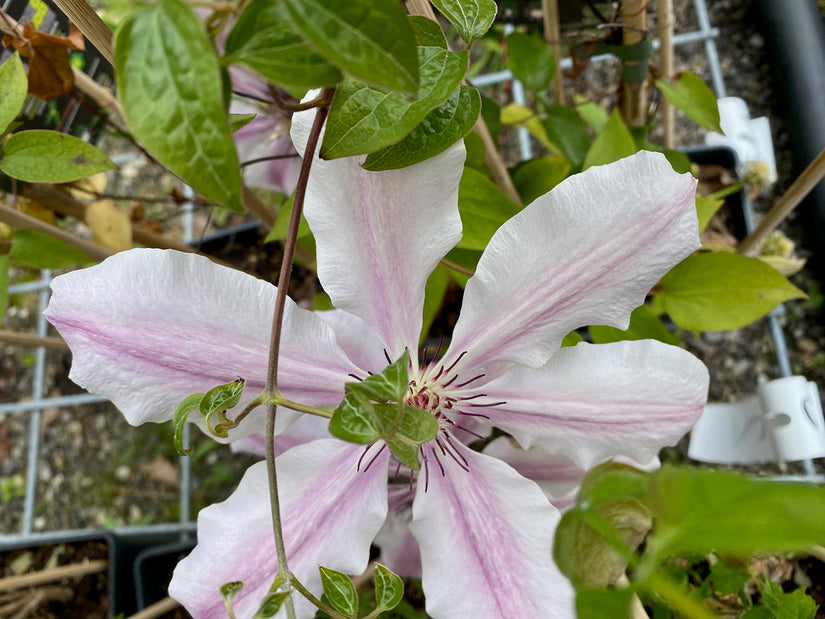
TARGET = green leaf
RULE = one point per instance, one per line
(169, 83)
(796, 605)
(388, 386)
(566, 130)
(264, 40)
(531, 60)
(41, 156)
(13, 87)
(41, 251)
(483, 209)
(571, 339)
(189, 404)
(491, 114)
(238, 121)
(466, 259)
(476, 153)
(691, 95)
(715, 292)
(427, 32)
(593, 114)
(613, 143)
(536, 177)
(472, 18)
(280, 229)
(441, 128)
(370, 39)
(4, 285)
(364, 119)
(603, 603)
(706, 208)
(434, 296)
(229, 591)
(644, 324)
(339, 591)
(759, 515)
(389, 588)
(726, 579)
(218, 400)
(271, 604)
(404, 439)
(354, 419)
(680, 162)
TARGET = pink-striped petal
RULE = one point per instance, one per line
(586, 253)
(399, 548)
(306, 429)
(380, 234)
(556, 475)
(331, 512)
(357, 339)
(149, 327)
(593, 402)
(266, 136)
(486, 538)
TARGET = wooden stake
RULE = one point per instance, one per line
(29, 339)
(93, 28)
(76, 570)
(552, 35)
(634, 96)
(21, 221)
(665, 18)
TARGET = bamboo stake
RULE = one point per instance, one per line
(666, 60)
(158, 609)
(21, 221)
(492, 157)
(552, 35)
(76, 570)
(63, 203)
(634, 96)
(800, 188)
(29, 339)
(93, 28)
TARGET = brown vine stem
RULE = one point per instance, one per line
(275, 344)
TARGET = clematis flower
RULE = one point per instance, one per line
(149, 327)
(266, 135)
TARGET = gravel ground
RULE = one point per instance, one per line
(97, 471)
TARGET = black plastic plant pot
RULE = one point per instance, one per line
(735, 203)
(153, 569)
(85, 586)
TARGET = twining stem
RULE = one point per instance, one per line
(308, 595)
(275, 346)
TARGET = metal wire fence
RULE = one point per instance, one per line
(34, 406)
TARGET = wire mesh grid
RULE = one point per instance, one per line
(34, 406)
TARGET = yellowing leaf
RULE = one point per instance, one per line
(515, 114)
(716, 292)
(110, 226)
